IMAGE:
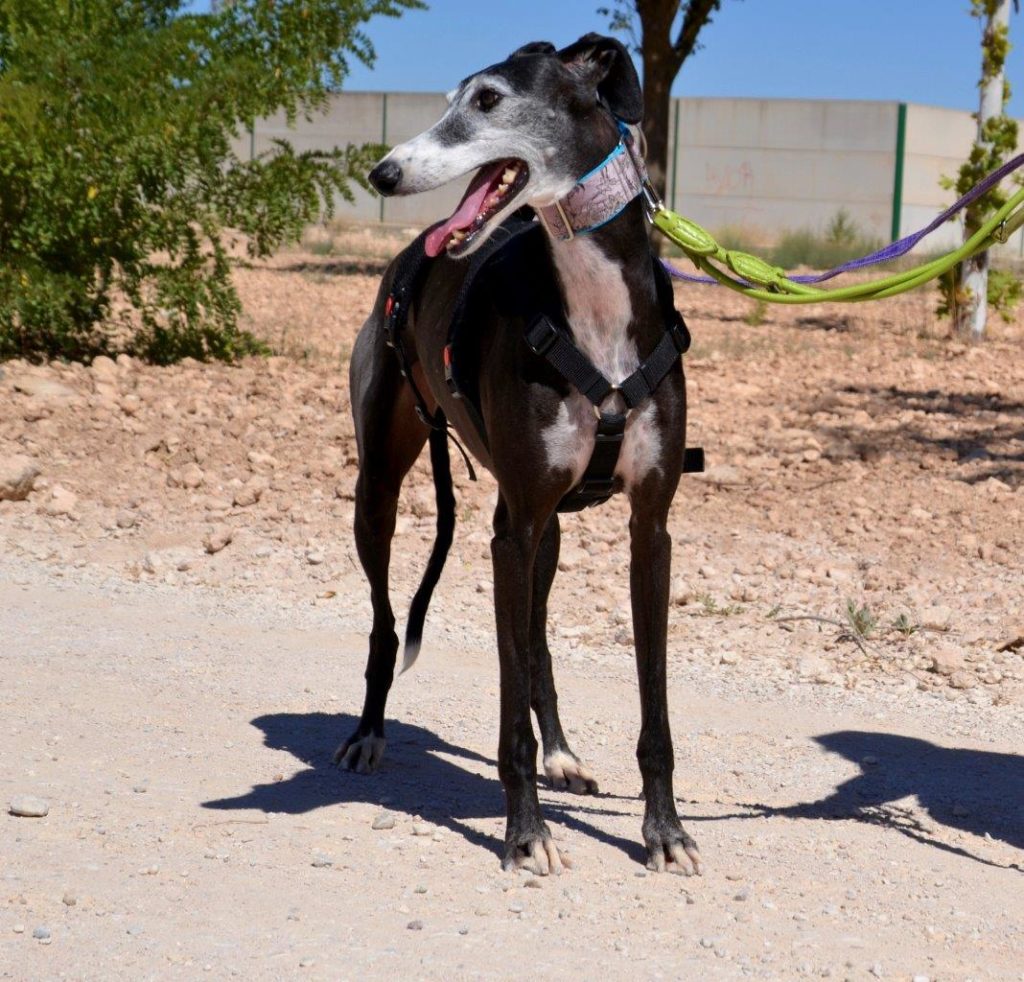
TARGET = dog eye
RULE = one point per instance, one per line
(487, 99)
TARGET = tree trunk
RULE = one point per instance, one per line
(661, 63)
(971, 317)
(657, 102)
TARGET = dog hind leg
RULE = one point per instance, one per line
(564, 769)
(528, 840)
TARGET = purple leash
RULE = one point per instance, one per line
(892, 251)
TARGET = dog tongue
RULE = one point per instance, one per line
(470, 206)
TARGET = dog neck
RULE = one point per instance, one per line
(607, 280)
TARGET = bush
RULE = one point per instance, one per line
(841, 242)
(122, 205)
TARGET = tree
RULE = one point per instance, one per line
(121, 200)
(663, 55)
(968, 290)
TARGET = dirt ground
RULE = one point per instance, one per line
(182, 638)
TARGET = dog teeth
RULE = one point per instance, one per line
(509, 176)
(502, 188)
(458, 235)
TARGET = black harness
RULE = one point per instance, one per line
(550, 338)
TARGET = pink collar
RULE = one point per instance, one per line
(600, 195)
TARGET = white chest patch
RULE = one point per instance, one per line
(597, 300)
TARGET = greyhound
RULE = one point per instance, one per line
(532, 125)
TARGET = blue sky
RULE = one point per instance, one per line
(923, 51)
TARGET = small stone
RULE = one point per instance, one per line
(307, 963)
(17, 477)
(249, 494)
(218, 539)
(729, 658)
(722, 474)
(385, 820)
(811, 666)
(320, 860)
(744, 894)
(533, 884)
(125, 519)
(69, 899)
(936, 618)
(314, 557)
(134, 930)
(28, 806)
(141, 787)
(18, 929)
(41, 933)
(962, 680)
(422, 828)
(947, 659)
(707, 942)
(192, 476)
(414, 926)
(60, 501)
(516, 907)
(104, 367)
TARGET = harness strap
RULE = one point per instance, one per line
(597, 484)
(575, 367)
(396, 311)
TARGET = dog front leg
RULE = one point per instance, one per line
(527, 838)
(564, 769)
(668, 845)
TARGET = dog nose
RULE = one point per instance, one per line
(385, 177)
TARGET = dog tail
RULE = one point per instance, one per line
(440, 463)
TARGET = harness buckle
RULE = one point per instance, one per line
(680, 334)
(542, 336)
(391, 312)
(449, 373)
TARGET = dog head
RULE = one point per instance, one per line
(530, 125)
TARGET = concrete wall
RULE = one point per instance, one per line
(760, 165)
(768, 165)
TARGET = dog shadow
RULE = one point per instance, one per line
(975, 791)
(421, 775)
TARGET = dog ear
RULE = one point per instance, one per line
(534, 48)
(606, 64)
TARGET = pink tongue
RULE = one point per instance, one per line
(470, 206)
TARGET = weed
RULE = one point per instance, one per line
(757, 314)
(903, 625)
(861, 620)
(711, 607)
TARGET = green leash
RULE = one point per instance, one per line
(759, 280)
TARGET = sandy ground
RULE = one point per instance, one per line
(182, 635)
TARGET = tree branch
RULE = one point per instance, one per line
(696, 15)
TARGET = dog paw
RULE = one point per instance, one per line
(567, 772)
(673, 851)
(360, 754)
(538, 854)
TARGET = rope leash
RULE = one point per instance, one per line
(759, 280)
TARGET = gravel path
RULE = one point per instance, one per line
(182, 740)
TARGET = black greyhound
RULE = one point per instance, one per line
(533, 124)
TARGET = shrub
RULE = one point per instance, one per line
(122, 205)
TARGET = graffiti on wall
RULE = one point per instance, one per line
(726, 179)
